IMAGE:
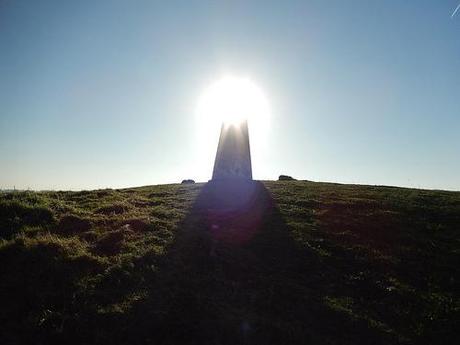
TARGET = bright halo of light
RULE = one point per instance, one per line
(230, 101)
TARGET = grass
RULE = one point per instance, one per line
(265, 263)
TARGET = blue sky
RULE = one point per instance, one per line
(97, 94)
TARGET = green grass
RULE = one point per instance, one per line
(300, 262)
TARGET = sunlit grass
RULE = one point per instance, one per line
(374, 264)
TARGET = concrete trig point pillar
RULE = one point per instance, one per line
(233, 157)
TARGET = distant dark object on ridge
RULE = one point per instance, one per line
(188, 181)
(286, 178)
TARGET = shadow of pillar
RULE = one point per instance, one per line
(234, 275)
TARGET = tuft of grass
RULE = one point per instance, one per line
(112, 209)
(15, 214)
(73, 225)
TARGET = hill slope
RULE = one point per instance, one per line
(272, 263)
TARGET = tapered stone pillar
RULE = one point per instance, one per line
(233, 157)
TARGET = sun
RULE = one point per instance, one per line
(232, 100)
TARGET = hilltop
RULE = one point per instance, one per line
(301, 262)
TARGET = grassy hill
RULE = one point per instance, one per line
(261, 263)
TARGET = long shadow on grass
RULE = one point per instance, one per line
(235, 276)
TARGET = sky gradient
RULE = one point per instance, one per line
(97, 94)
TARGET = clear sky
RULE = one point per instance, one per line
(97, 94)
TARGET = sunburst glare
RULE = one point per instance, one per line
(230, 101)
